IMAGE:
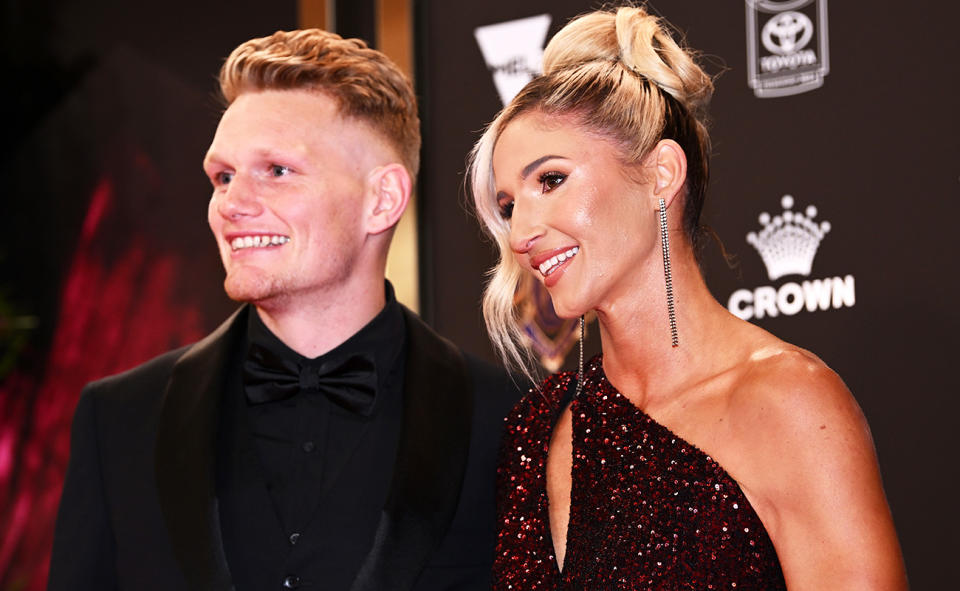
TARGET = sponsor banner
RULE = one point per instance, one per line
(787, 244)
(792, 298)
(513, 51)
(891, 218)
(787, 46)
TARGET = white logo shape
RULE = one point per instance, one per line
(788, 50)
(787, 33)
(513, 51)
(788, 242)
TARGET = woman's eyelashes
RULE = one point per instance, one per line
(505, 205)
(548, 181)
(551, 180)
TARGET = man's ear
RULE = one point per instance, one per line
(390, 187)
(670, 170)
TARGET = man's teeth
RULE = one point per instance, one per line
(257, 241)
(547, 267)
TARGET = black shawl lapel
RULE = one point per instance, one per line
(186, 452)
(431, 461)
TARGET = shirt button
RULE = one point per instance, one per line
(291, 582)
(294, 538)
(309, 446)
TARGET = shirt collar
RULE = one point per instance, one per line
(383, 337)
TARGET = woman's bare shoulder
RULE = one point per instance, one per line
(788, 402)
(800, 429)
(794, 389)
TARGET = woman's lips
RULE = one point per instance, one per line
(548, 266)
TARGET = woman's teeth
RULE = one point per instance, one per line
(548, 266)
(257, 241)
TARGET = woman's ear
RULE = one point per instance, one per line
(670, 170)
(390, 186)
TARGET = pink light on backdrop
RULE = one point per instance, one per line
(109, 320)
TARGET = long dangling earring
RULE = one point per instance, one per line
(668, 276)
(580, 365)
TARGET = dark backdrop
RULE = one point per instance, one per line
(105, 255)
(874, 149)
(105, 258)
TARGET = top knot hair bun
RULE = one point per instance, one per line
(640, 43)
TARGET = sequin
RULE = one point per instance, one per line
(648, 509)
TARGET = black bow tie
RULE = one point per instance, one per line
(349, 381)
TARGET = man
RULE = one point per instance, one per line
(323, 436)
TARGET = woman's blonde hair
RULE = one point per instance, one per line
(617, 73)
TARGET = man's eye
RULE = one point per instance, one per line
(278, 170)
(223, 178)
(551, 180)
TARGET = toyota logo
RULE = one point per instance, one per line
(787, 33)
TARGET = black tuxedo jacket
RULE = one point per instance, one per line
(140, 504)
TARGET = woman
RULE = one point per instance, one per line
(698, 451)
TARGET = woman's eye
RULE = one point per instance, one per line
(506, 208)
(551, 180)
(278, 170)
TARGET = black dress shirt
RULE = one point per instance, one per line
(327, 470)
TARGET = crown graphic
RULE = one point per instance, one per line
(788, 242)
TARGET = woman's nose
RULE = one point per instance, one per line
(525, 229)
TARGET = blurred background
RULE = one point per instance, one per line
(838, 123)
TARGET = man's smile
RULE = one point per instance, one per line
(241, 242)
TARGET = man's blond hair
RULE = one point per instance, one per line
(366, 84)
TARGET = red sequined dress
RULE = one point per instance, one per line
(648, 510)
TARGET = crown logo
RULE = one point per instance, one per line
(788, 242)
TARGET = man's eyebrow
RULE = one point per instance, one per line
(529, 168)
(264, 153)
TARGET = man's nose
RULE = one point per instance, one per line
(239, 199)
